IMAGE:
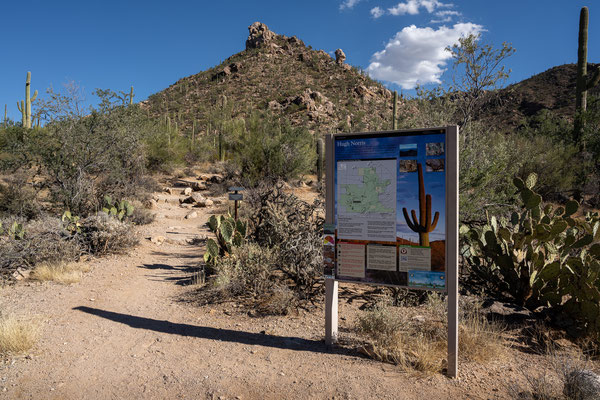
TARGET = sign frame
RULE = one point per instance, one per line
(451, 234)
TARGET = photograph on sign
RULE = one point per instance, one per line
(390, 201)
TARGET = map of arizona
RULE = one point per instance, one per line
(366, 187)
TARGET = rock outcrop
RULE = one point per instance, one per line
(259, 35)
(340, 56)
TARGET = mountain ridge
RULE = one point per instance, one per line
(281, 75)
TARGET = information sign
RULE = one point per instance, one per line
(392, 217)
(390, 208)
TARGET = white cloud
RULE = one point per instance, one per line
(412, 7)
(445, 16)
(349, 4)
(377, 12)
(417, 55)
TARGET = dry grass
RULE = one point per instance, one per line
(65, 273)
(415, 338)
(17, 336)
(563, 374)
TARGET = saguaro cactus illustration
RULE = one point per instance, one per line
(424, 224)
(25, 106)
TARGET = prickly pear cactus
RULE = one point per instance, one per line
(119, 209)
(538, 255)
(228, 232)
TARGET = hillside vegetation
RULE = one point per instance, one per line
(282, 75)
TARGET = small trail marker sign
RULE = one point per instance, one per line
(235, 197)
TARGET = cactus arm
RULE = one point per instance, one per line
(408, 220)
(23, 110)
(418, 226)
(34, 96)
(594, 80)
(435, 221)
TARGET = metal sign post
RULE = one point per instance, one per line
(452, 248)
(235, 196)
(373, 181)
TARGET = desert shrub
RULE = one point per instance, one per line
(556, 164)
(273, 150)
(19, 199)
(102, 234)
(487, 166)
(248, 270)
(164, 149)
(292, 226)
(81, 157)
(141, 216)
(565, 374)
(44, 240)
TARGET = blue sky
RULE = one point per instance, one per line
(152, 44)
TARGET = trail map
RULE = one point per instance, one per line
(366, 199)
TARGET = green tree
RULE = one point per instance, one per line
(477, 69)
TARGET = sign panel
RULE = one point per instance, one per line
(390, 208)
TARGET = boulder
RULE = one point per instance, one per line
(193, 198)
(187, 191)
(274, 105)
(364, 92)
(259, 34)
(192, 215)
(197, 186)
(340, 56)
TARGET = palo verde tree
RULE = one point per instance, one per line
(477, 69)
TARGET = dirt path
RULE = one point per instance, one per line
(122, 332)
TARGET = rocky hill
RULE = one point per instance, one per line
(314, 89)
(552, 90)
(283, 75)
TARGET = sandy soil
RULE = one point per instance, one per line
(124, 332)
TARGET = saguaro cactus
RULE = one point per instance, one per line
(394, 115)
(25, 106)
(424, 224)
(131, 96)
(320, 156)
(5, 116)
(583, 82)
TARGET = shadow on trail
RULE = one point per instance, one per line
(205, 332)
(181, 280)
